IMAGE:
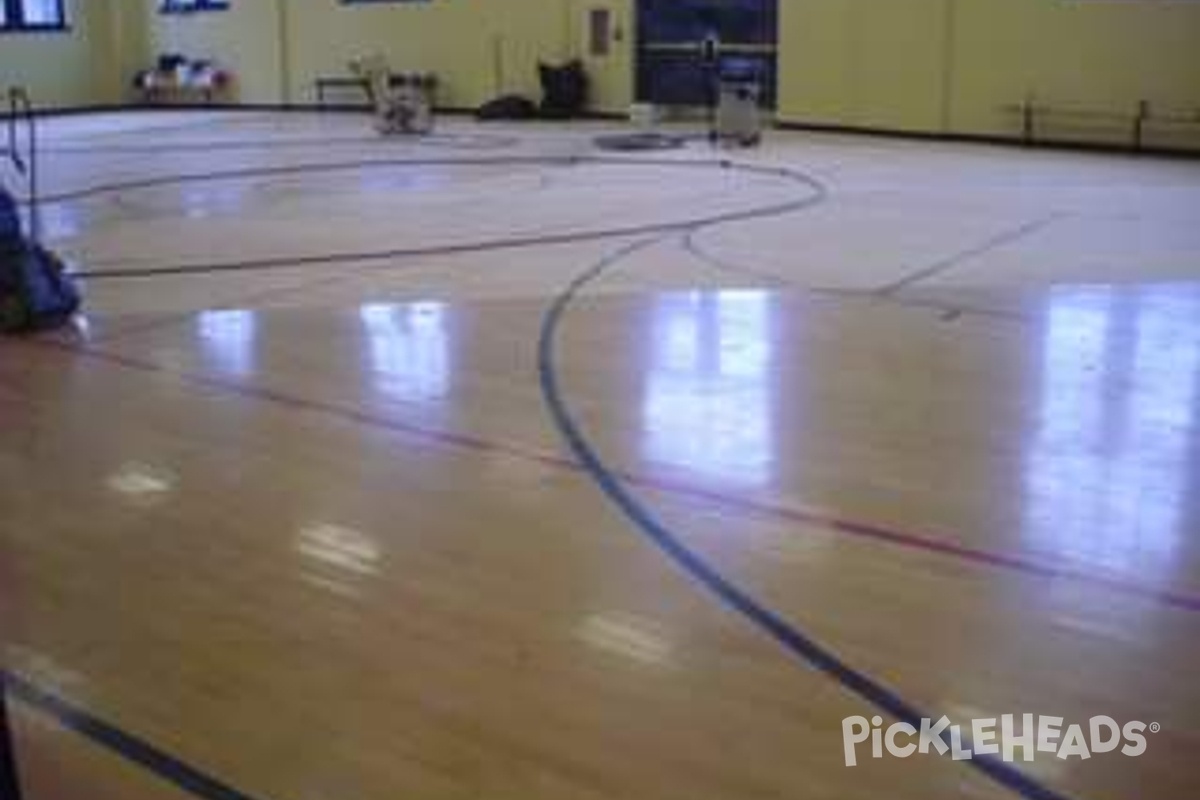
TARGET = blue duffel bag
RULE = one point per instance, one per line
(35, 291)
(10, 220)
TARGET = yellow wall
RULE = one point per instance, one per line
(245, 39)
(129, 48)
(862, 62)
(611, 75)
(277, 48)
(65, 69)
(949, 65)
(1095, 54)
(477, 47)
(918, 65)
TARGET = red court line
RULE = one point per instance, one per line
(912, 540)
(251, 300)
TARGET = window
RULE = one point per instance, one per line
(32, 15)
(188, 6)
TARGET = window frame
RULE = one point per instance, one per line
(14, 19)
(380, 2)
(191, 6)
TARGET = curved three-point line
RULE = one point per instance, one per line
(795, 642)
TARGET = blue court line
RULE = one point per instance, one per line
(390, 254)
(796, 642)
(208, 787)
(131, 748)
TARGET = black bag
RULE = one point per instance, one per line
(35, 290)
(509, 106)
(169, 62)
(564, 90)
(10, 221)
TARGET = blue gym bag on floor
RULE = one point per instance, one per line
(35, 291)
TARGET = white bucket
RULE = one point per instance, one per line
(644, 116)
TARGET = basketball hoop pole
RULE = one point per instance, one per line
(10, 788)
(710, 53)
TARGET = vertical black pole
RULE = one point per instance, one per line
(10, 788)
(1139, 124)
(711, 57)
(1027, 121)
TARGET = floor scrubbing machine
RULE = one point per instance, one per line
(735, 96)
(403, 102)
(738, 109)
(35, 291)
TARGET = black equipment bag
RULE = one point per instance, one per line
(10, 221)
(35, 291)
(564, 90)
(509, 106)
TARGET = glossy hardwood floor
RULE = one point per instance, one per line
(313, 530)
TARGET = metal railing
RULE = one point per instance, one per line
(1138, 119)
(24, 154)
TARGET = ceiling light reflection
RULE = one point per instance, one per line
(626, 636)
(141, 482)
(345, 549)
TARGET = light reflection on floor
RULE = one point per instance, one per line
(1113, 455)
(407, 349)
(707, 401)
(229, 340)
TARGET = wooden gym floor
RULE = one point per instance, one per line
(493, 466)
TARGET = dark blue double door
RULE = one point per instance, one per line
(674, 66)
